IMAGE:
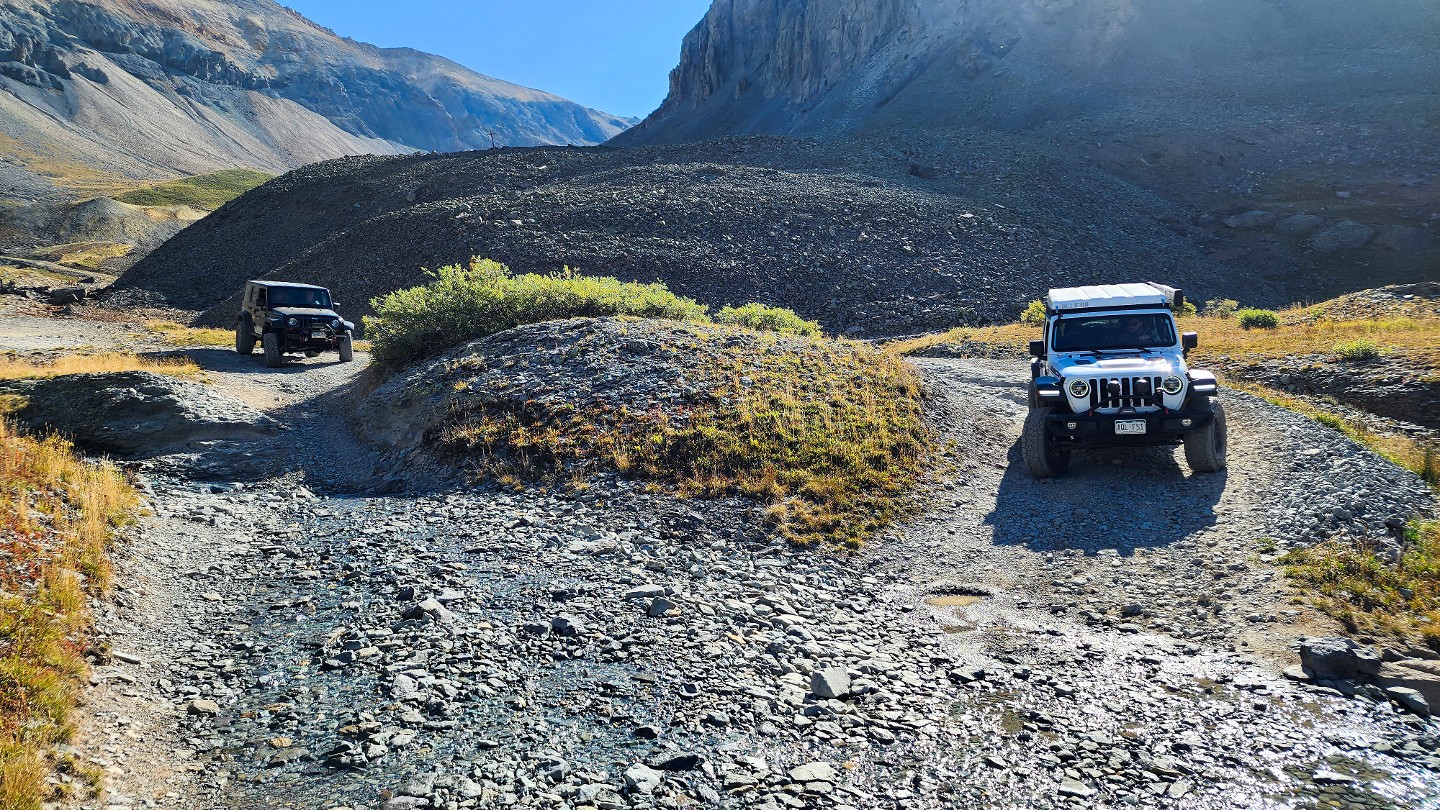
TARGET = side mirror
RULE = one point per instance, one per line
(1037, 348)
(335, 305)
(1189, 340)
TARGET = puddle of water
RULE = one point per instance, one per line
(953, 600)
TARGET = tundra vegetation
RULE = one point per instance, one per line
(827, 434)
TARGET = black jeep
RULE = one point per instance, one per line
(288, 317)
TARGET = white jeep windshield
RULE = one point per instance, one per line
(299, 297)
(1142, 330)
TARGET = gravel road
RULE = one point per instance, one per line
(1113, 638)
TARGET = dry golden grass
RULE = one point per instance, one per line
(1412, 338)
(87, 255)
(1368, 594)
(828, 436)
(187, 336)
(14, 368)
(57, 517)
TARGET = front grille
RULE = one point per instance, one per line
(1131, 395)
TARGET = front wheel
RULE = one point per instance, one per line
(1042, 455)
(244, 337)
(1205, 448)
(347, 349)
(271, 343)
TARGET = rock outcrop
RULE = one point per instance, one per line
(135, 413)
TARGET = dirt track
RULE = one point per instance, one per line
(1127, 634)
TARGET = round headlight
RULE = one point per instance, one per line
(1172, 385)
(1079, 388)
(335, 324)
(293, 322)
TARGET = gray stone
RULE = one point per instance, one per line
(1344, 235)
(1409, 699)
(831, 682)
(567, 625)
(659, 606)
(1336, 658)
(645, 592)
(202, 708)
(642, 778)
(1074, 788)
(1407, 240)
(1250, 219)
(814, 772)
(1299, 224)
(430, 609)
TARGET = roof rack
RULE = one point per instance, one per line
(1112, 296)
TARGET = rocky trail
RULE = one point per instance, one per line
(283, 635)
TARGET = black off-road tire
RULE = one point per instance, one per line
(347, 349)
(1042, 456)
(271, 342)
(244, 337)
(1205, 448)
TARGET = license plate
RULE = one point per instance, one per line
(321, 336)
(1130, 427)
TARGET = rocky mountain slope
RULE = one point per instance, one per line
(97, 93)
(869, 237)
(1321, 109)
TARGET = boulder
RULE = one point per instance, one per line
(1346, 234)
(1334, 658)
(642, 778)
(1299, 224)
(63, 296)
(1407, 240)
(1409, 699)
(1250, 219)
(1421, 676)
(830, 683)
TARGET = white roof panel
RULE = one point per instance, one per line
(1102, 296)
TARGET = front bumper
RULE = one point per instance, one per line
(307, 341)
(1098, 430)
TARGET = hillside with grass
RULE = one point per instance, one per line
(551, 381)
(206, 191)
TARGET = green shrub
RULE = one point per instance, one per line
(1034, 314)
(1258, 319)
(1185, 310)
(465, 303)
(767, 319)
(1221, 308)
(1359, 349)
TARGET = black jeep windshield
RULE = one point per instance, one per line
(299, 297)
(1124, 331)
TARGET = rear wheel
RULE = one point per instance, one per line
(347, 349)
(1205, 448)
(244, 337)
(271, 342)
(1042, 455)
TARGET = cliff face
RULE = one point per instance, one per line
(101, 89)
(824, 66)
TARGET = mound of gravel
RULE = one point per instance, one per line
(866, 236)
(600, 365)
(134, 413)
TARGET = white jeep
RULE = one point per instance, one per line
(1111, 371)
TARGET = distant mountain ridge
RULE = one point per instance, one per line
(96, 92)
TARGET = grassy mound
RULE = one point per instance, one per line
(465, 303)
(15, 368)
(826, 434)
(205, 191)
(57, 515)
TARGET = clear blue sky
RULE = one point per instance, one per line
(613, 55)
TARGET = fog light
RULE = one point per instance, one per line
(1071, 425)
(1186, 422)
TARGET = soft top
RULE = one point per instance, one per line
(285, 284)
(1112, 296)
